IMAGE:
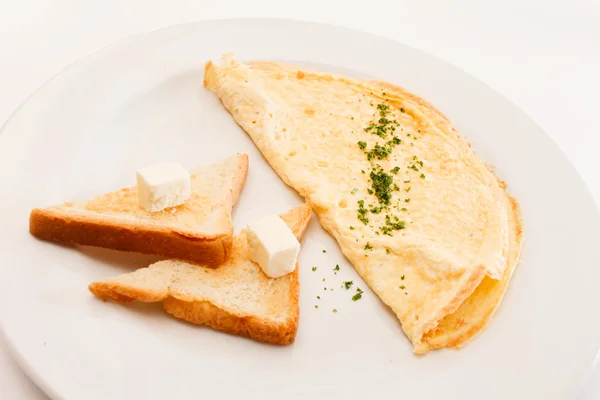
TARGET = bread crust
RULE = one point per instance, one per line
(118, 235)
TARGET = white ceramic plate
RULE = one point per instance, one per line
(141, 101)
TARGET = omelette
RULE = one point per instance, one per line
(422, 219)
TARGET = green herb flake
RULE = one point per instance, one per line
(368, 246)
(337, 267)
(391, 226)
(403, 209)
(362, 212)
(387, 251)
(381, 183)
(402, 278)
(362, 145)
(316, 306)
(423, 176)
(324, 251)
(334, 310)
(314, 268)
(354, 191)
(402, 287)
(351, 228)
(358, 294)
(395, 170)
(379, 152)
(348, 284)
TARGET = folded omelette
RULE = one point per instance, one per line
(423, 220)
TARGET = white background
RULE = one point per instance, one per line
(544, 55)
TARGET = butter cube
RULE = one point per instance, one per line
(273, 246)
(162, 186)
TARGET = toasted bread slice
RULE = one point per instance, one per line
(199, 230)
(237, 297)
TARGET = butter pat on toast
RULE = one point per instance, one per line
(200, 230)
(237, 297)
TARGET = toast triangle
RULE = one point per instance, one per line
(200, 230)
(237, 297)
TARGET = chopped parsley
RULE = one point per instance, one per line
(362, 212)
(402, 287)
(334, 310)
(378, 152)
(368, 246)
(348, 284)
(387, 251)
(314, 268)
(384, 109)
(381, 183)
(402, 278)
(316, 306)
(351, 228)
(358, 294)
(337, 268)
(324, 251)
(390, 225)
(319, 297)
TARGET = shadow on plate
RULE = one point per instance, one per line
(121, 261)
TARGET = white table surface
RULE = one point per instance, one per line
(544, 55)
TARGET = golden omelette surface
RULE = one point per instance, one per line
(420, 217)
